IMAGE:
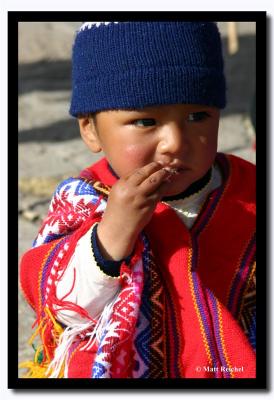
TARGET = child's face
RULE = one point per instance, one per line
(181, 136)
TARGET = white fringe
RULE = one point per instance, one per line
(61, 353)
(70, 334)
(102, 322)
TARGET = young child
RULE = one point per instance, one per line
(145, 264)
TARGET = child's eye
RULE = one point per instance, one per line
(198, 116)
(144, 122)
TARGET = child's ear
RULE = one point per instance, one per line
(89, 134)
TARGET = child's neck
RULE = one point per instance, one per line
(192, 189)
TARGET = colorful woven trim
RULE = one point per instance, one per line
(204, 301)
(247, 316)
(242, 294)
(74, 197)
(216, 312)
(49, 267)
(114, 355)
(149, 340)
(214, 199)
(74, 200)
(241, 278)
(157, 338)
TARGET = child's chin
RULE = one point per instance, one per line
(174, 191)
(178, 183)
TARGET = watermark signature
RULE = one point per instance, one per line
(207, 368)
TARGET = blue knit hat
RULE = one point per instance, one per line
(131, 65)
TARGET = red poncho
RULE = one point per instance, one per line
(187, 302)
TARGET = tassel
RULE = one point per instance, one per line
(34, 370)
(48, 326)
(69, 335)
(66, 339)
(38, 368)
(101, 325)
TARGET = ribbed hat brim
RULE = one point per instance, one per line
(143, 88)
(134, 65)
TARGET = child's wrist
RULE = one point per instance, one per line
(114, 246)
(109, 267)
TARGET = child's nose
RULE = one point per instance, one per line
(173, 140)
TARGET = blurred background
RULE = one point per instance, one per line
(50, 148)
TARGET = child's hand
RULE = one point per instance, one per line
(130, 206)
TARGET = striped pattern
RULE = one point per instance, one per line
(143, 327)
(158, 339)
(45, 272)
(55, 271)
(218, 334)
(247, 316)
(241, 277)
(157, 361)
(113, 360)
(173, 335)
(205, 303)
(213, 201)
(149, 341)
(242, 294)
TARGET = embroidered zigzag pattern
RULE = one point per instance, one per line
(72, 203)
(111, 359)
(157, 335)
(149, 341)
(247, 317)
(143, 331)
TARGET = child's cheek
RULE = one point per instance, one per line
(136, 155)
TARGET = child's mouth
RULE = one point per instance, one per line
(172, 171)
(175, 171)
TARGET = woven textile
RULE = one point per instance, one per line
(186, 307)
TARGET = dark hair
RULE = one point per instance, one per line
(93, 117)
(89, 115)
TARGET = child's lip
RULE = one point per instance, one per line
(175, 170)
(171, 171)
